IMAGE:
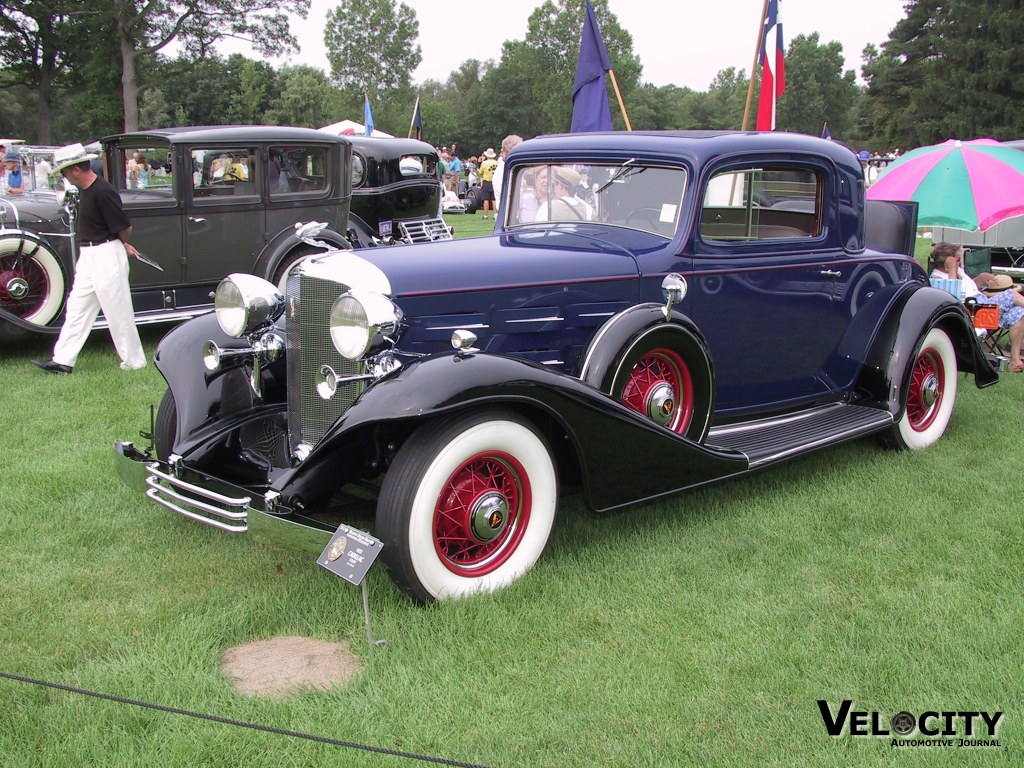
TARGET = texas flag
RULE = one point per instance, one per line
(773, 68)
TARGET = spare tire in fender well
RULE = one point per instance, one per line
(619, 337)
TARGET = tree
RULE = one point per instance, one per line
(307, 99)
(721, 108)
(144, 27)
(817, 89)
(36, 46)
(251, 100)
(554, 29)
(951, 68)
(371, 45)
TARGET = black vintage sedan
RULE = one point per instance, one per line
(204, 202)
(654, 312)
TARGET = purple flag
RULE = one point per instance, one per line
(590, 110)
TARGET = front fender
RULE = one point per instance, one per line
(888, 365)
(624, 457)
(203, 398)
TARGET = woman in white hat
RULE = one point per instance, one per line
(101, 272)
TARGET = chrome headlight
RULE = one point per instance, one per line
(361, 321)
(246, 303)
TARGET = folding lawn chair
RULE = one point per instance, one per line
(995, 340)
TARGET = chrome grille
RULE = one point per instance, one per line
(309, 347)
(424, 231)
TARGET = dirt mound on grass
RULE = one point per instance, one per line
(282, 666)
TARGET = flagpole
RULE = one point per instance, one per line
(753, 69)
(618, 95)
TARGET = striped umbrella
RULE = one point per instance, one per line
(962, 184)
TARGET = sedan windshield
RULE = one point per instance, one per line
(627, 194)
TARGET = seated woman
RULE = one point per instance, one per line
(947, 261)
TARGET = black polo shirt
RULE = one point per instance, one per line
(100, 213)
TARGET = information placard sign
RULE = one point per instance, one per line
(350, 553)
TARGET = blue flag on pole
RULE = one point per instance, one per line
(367, 115)
(416, 126)
(825, 132)
(590, 110)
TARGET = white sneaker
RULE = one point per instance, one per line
(126, 367)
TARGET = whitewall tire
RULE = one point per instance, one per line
(467, 505)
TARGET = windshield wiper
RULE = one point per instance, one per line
(625, 170)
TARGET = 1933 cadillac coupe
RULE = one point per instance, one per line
(655, 311)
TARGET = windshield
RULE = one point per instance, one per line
(628, 194)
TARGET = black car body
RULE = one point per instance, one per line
(396, 192)
(698, 306)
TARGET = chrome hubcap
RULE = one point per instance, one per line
(17, 287)
(489, 516)
(661, 404)
(930, 391)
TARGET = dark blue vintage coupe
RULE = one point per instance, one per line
(655, 311)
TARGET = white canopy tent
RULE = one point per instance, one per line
(352, 128)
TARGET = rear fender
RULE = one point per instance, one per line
(886, 373)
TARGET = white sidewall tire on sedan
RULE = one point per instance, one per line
(467, 506)
(43, 271)
(930, 395)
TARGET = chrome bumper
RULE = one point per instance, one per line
(191, 494)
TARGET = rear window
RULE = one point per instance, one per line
(763, 203)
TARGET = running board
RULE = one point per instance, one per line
(768, 441)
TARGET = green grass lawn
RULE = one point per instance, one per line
(700, 630)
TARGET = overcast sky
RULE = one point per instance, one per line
(685, 46)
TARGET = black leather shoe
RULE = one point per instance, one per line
(51, 367)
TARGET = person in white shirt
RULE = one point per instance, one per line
(947, 261)
(561, 204)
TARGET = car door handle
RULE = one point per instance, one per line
(831, 273)
(197, 219)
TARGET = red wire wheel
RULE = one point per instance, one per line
(660, 387)
(927, 383)
(481, 514)
(23, 286)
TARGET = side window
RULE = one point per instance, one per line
(144, 172)
(296, 171)
(219, 172)
(764, 203)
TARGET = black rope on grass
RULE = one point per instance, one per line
(241, 723)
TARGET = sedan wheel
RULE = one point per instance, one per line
(32, 284)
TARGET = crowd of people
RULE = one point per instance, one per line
(488, 170)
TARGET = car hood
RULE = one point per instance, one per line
(34, 206)
(525, 257)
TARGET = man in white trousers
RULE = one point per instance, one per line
(101, 273)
